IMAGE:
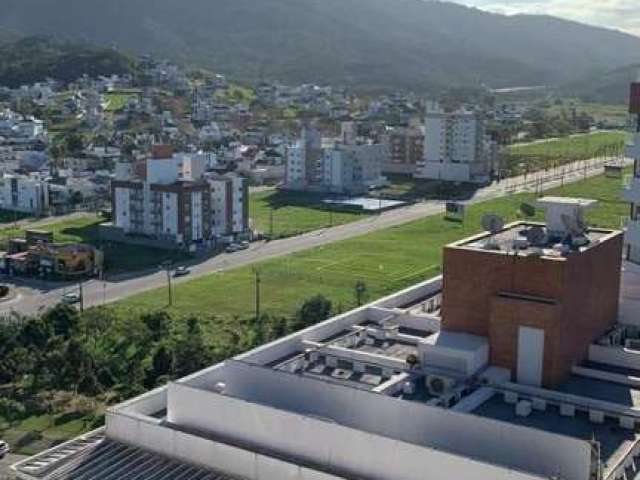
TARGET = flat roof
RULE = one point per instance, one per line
(512, 239)
(601, 390)
(569, 201)
(615, 441)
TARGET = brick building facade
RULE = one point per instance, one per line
(573, 299)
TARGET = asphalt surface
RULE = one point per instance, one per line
(6, 462)
(33, 295)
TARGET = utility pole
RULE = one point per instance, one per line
(271, 223)
(256, 273)
(167, 267)
(81, 297)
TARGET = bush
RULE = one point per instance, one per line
(11, 409)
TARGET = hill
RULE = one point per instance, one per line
(33, 59)
(607, 87)
(399, 43)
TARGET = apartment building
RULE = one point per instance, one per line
(352, 168)
(172, 198)
(632, 190)
(456, 146)
(304, 160)
(415, 386)
(406, 149)
(25, 194)
(345, 166)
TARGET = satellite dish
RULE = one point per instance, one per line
(537, 236)
(492, 223)
(527, 210)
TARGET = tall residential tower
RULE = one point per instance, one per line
(632, 192)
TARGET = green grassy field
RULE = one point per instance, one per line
(118, 99)
(236, 94)
(37, 433)
(118, 257)
(539, 155)
(294, 213)
(387, 260)
(616, 114)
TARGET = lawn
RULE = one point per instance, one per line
(37, 433)
(614, 114)
(539, 155)
(118, 99)
(386, 260)
(235, 94)
(280, 214)
(119, 257)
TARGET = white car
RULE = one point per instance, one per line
(4, 448)
(71, 298)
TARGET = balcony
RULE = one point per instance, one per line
(632, 236)
(631, 192)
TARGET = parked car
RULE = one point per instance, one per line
(243, 245)
(181, 271)
(71, 298)
(4, 448)
(234, 247)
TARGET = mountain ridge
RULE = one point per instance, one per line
(370, 43)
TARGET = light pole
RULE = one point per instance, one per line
(167, 266)
(256, 274)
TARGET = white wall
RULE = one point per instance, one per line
(122, 208)
(170, 213)
(617, 356)
(345, 450)
(287, 420)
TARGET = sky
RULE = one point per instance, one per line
(620, 14)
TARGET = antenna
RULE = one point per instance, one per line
(493, 224)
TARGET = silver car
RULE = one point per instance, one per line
(4, 448)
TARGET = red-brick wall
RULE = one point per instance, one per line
(577, 301)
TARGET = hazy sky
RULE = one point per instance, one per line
(620, 14)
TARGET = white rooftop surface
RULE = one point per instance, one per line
(366, 203)
(566, 201)
(457, 341)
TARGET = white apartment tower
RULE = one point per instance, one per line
(456, 146)
(632, 191)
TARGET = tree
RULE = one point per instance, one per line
(161, 364)
(190, 352)
(314, 310)
(360, 292)
(158, 323)
(64, 319)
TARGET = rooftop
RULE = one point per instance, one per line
(615, 442)
(515, 238)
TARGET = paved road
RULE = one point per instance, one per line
(33, 295)
(6, 462)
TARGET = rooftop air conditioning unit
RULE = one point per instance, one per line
(438, 385)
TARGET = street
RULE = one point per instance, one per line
(6, 462)
(34, 295)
